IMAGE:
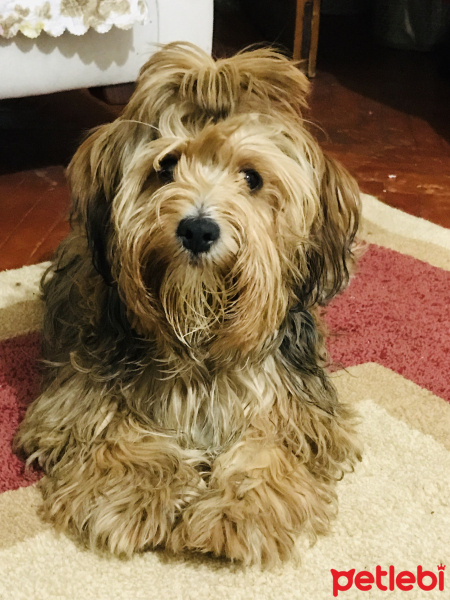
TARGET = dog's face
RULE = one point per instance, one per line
(210, 206)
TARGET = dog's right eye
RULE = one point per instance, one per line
(167, 167)
(253, 179)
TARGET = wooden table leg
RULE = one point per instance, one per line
(306, 36)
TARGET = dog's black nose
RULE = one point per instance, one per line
(198, 234)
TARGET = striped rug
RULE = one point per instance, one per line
(391, 337)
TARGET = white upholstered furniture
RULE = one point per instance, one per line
(46, 64)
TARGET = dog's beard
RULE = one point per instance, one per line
(197, 300)
(222, 307)
(212, 306)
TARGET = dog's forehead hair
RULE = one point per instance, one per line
(228, 142)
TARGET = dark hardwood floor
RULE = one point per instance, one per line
(384, 113)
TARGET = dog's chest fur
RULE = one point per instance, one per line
(211, 412)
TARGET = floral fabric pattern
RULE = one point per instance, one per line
(54, 17)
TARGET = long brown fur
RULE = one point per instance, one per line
(186, 402)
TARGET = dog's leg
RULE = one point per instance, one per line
(261, 497)
(123, 498)
(108, 480)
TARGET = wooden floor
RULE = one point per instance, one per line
(385, 114)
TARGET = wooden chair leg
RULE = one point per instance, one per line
(306, 36)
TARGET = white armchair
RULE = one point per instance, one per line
(46, 64)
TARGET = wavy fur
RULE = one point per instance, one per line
(186, 401)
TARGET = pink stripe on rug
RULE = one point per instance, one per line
(19, 385)
(395, 313)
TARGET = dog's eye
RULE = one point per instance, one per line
(167, 167)
(253, 179)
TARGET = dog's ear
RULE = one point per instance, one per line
(330, 258)
(259, 80)
(94, 175)
(302, 352)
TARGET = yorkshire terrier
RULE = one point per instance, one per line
(186, 401)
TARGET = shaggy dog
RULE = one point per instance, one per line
(186, 403)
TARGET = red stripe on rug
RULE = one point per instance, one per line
(395, 313)
(19, 385)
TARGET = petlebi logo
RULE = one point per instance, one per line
(388, 579)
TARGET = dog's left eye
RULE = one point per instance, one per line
(253, 179)
(167, 167)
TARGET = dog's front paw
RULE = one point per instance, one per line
(118, 513)
(237, 529)
(255, 516)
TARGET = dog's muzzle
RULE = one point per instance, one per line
(198, 234)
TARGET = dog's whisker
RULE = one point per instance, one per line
(149, 125)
